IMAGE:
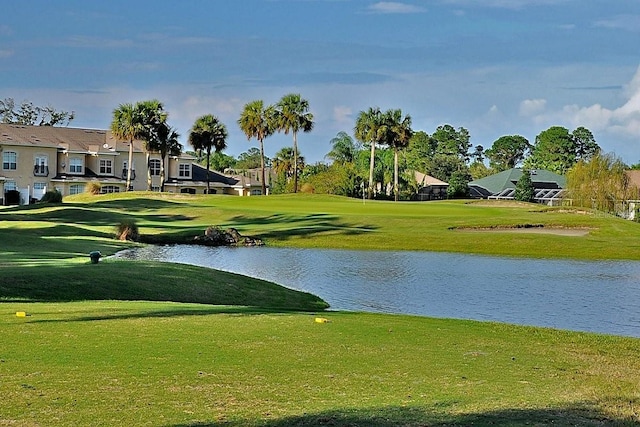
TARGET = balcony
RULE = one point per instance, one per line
(41, 170)
(124, 174)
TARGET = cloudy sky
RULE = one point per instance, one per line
(495, 67)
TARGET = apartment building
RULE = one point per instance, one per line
(36, 159)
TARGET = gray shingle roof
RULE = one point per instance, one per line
(495, 184)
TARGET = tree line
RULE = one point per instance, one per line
(378, 161)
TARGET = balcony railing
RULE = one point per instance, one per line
(124, 174)
(41, 170)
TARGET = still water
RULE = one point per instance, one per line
(577, 295)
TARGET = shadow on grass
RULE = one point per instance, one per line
(96, 217)
(579, 414)
(287, 226)
(137, 204)
(212, 310)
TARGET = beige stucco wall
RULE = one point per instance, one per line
(24, 175)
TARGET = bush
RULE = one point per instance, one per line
(307, 188)
(127, 230)
(94, 188)
(53, 196)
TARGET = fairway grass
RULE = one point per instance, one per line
(155, 344)
(167, 364)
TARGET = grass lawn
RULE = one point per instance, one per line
(144, 343)
(166, 364)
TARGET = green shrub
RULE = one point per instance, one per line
(127, 230)
(53, 196)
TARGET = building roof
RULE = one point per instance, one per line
(65, 138)
(496, 184)
(425, 180)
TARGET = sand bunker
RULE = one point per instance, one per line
(558, 231)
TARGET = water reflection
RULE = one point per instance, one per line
(577, 295)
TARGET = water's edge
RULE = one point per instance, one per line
(602, 296)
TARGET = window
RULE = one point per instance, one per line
(10, 186)
(109, 189)
(255, 192)
(75, 165)
(76, 189)
(40, 186)
(106, 167)
(40, 167)
(154, 167)
(9, 160)
(125, 170)
(184, 171)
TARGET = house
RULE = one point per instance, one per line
(36, 159)
(549, 186)
(430, 188)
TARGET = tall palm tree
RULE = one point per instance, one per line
(397, 133)
(367, 130)
(126, 125)
(258, 122)
(167, 144)
(292, 115)
(206, 133)
(152, 118)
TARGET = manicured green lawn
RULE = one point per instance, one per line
(166, 364)
(86, 223)
(144, 343)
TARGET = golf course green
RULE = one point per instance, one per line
(151, 344)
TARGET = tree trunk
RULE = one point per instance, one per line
(162, 172)
(129, 164)
(395, 173)
(371, 165)
(295, 162)
(264, 185)
(208, 157)
(148, 157)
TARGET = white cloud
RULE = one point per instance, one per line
(395, 7)
(532, 107)
(621, 122)
(621, 22)
(343, 115)
(506, 4)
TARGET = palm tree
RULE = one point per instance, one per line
(126, 125)
(367, 130)
(208, 132)
(292, 115)
(256, 121)
(397, 133)
(152, 118)
(343, 149)
(284, 163)
(166, 144)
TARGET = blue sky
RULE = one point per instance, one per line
(495, 67)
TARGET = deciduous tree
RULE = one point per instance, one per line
(599, 183)
(507, 151)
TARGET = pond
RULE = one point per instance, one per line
(594, 296)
